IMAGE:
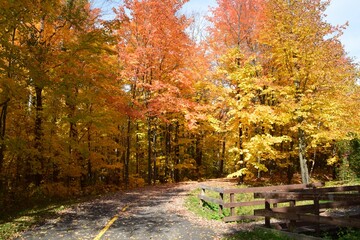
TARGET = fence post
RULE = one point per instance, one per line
(221, 206)
(267, 207)
(202, 194)
(292, 224)
(232, 209)
(317, 213)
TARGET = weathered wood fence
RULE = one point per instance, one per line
(320, 198)
(232, 204)
(316, 199)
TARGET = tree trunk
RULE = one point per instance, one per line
(2, 133)
(38, 116)
(302, 157)
(167, 149)
(149, 153)
(177, 154)
(137, 146)
(89, 166)
(222, 160)
(198, 154)
(39, 133)
(154, 158)
(127, 158)
(241, 134)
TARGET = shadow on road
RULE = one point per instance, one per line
(145, 218)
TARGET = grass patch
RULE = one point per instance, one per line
(349, 234)
(258, 234)
(350, 182)
(210, 211)
(15, 221)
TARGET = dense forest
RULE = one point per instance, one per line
(260, 88)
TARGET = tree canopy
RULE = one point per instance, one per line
(91, 105)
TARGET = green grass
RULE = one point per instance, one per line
(210, 211)
(258, 234)
(342, 234)
(12, 224)
(350, 182)
(349, 234)
(15, 221)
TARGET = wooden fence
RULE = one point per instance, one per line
(314, 200)
(320, 199)
(232, 204)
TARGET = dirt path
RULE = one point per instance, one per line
(146, 213)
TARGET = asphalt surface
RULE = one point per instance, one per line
(140, 214)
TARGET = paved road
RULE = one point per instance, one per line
(141, 214)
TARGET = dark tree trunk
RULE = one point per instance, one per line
(222, 160)
(89, 165)
(167, 149)
(137, 146)
(38, 116)
(127, 158)
(198, 155)
(177, 154)
(149, 153)
(154, 157)
(39, 133)
(198, 151)
(2, 132)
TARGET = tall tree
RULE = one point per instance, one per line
(303, 55)
(154, 50)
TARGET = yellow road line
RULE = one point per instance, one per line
(108, 225)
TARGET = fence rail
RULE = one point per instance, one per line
(335, 197)
(232, 204)
(315, 197)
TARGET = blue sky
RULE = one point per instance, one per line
(339, 12)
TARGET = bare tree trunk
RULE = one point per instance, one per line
(302, 157)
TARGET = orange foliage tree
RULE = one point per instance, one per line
(155, 56)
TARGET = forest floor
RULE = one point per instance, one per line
(156, 212)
